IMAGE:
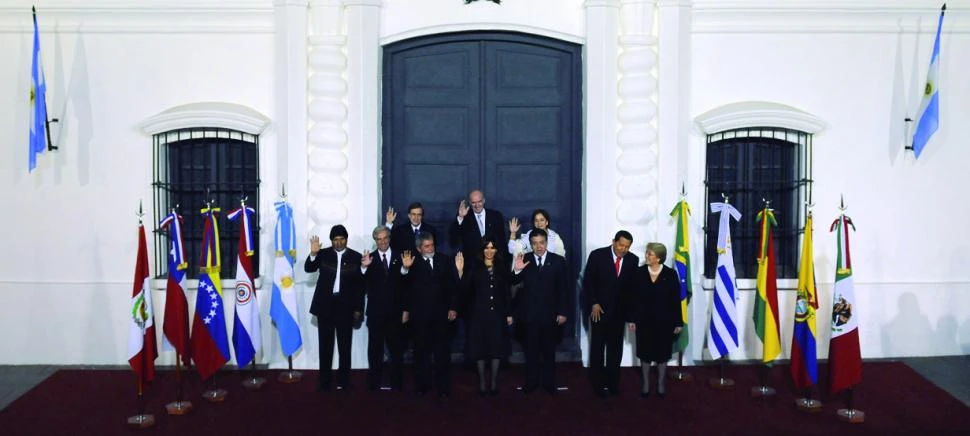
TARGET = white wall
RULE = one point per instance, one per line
(70, 227)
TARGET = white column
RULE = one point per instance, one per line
(638, 161)
(290, 19)
(599, 193)
(327, 160)
(674, 26)
(600, 153)
(363, 121)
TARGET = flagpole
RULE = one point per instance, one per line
(214, 394)
(141, 419)
(849, 414)
(721, 382)
(288, 376)
(806, 403)
(678, 374)
(179, 406)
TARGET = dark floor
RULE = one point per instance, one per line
(950, 373)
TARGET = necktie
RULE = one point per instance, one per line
(616, 265)
(481, 223)
(431, 263)
(384, 261)
(539, 261)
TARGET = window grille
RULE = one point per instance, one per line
(750, 165)
(191, 164)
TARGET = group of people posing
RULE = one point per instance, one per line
(496, 280)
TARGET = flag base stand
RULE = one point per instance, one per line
(290, 376)
(215, 395)
(253, 383)
(852, 416)
(762, 391)
(142, 420)
(724, 384)
(808, 405)
(680, 376)
(178, 407)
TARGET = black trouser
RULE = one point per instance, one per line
(540, 355)
(433, 338)
(605, 335)
(385, 330)
(339, 318)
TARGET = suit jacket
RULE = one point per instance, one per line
(466, 236)
(602, 286)
(431, 293)
(384, 289)
(402, 236)
(351, 281)
(543, 295)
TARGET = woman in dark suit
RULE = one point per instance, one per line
(484, 287)
(655, 315)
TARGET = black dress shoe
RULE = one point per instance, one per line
(481, 393)
(615, 392)
(645, 394)
(443, 394)
(421, 392)
(661, 394)
(493, 392)
(346, 388)
(602, 393)
(323, 387)
(550, 391)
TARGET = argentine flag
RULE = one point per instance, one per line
(722, 336)
(928, 119)
(282, 308)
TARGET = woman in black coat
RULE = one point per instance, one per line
(655, 315)
(484, 286)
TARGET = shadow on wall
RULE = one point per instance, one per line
(908, 333)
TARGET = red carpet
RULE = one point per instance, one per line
(895, 399)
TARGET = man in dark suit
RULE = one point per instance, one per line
(338, 302)
(431, 309)
(467, 231)
(540, 308)
(385, 309)
(607, 285)
(403, 235)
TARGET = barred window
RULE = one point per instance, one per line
(191, 164)
(750, 165)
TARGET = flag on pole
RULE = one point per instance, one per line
(722, 335)
(682, 263)
(38, 103)
(210, 343)
(766, 305)
(804, 361)
(928, 118)
(176, 322)
(246, 332)
(141, 331)
(845, 359)
(282, 308)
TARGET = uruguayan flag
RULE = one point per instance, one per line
(722, 336)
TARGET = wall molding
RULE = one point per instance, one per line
(144, 16)
(758, 114)
(207, 114)
(466, 27)
(827, 16)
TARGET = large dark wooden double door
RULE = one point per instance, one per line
(500, 112)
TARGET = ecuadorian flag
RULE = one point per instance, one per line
(804, 360)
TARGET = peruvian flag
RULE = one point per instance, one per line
(141, 331)
(845, 359)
